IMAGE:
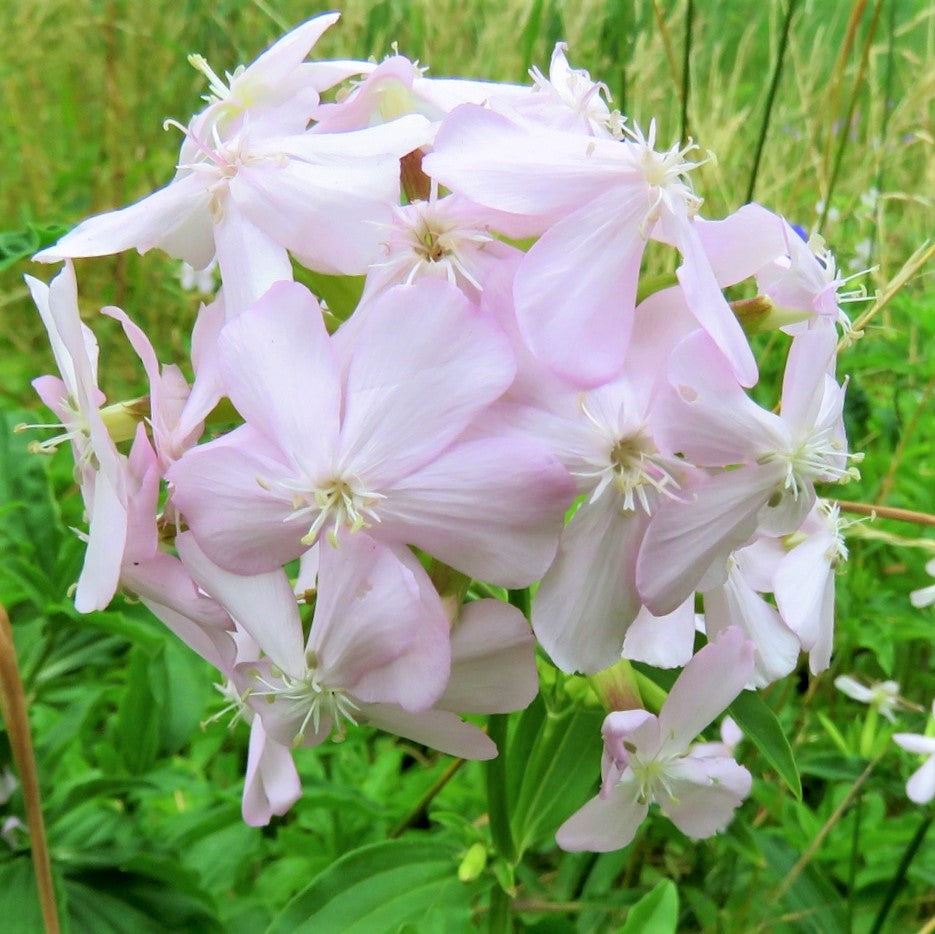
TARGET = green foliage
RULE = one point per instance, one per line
(142, 806)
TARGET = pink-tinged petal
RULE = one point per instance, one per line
(520, 169)
(271, 783)
(685, 539)
(705, 688)
(588, 597)
(250, 260)
(707, 416)
(224, 490)
(423, 365)
(106, 540)
(705, 792)
(374, 633)
(810, 359)
(735, 603)
(916, 742)
(819, 657)
(282, 375)
(705, 299)
(921, 785)
(395, 138)
(215, 646)
(167, 217)
(663, 641)
(604, 823)
(493, 661)
(576, 288)
(277, 63)
(490, 508)
(142, 488)
(436, 729)
(208, 387)
(799, 585)
(262, 603)
(741, 244)
(447, 93)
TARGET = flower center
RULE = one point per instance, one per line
(821, 457)
(307, 697)
(338, 501)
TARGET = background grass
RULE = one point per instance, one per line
(86, 85)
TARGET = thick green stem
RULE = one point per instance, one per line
(498, 918)
(497, 805)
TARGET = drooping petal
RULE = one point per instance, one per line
(492, 508)
(921, 785)
(155, 219)
(106, 540)
(735, 603)
(685, 539)
(741, 244)
(664, 641)
(249, 259)
(705, 688)
(588, 597)
(493, 661)
(810, 356)
(437, 729)
(263, 604)
(271, 783)
(705, 299)
(604, 824)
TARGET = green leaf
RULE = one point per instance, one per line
(19, 899)
(557, 775)
(760, 725)
(139, 717)
(656, 912)
(340, 293)
(379, 888)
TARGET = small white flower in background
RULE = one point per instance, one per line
(198, 280)
(884, 695)
(833, 213)
(926, 595)
(862, 251)
(8, 784)
(869, 200)
(13, 832)
(921, 785)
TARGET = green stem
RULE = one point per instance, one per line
(686, 67)
(497, 805)
(896, 883)
(498, 918)
(852, 869)
(770, 97)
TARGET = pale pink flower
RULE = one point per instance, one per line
(76, 400)
(778, 459)
(649, 759)
(598, 202)
(344, 438)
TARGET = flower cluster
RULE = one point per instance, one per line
(317, 550)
